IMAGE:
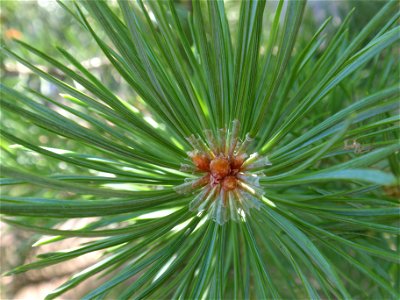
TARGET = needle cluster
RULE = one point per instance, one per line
(228, 183)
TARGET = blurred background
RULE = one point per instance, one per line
(45, 25)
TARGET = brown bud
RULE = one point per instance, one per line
(229, 183)
(237, 162)
(220, 167)
(201, 161)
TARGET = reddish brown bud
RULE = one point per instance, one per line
(220, 167)
(225, 184)
(202, 162)
(229, 183)
(237, 162)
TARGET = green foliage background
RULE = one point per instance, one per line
(111, 145)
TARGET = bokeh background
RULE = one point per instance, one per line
(45, 25)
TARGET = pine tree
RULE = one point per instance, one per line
(267, 169)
